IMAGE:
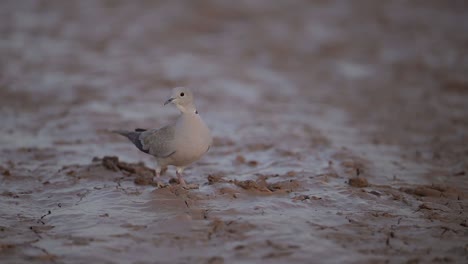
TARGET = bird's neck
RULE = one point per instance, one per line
(188, 109)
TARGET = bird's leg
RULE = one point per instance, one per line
(180, 177)
(182, 181)
(163, 170)
(157, 179)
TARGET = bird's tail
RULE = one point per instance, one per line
(133, 136)
(124, 133)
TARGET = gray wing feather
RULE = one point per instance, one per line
(159, 142)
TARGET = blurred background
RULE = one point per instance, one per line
(288, 88)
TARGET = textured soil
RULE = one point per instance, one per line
(340, 131)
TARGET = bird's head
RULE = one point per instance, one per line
(183, 99)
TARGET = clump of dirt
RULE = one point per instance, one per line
(434, 191)
(110, 166)
(253, 185)
(5, 172)
(215, 178)
(241, 160)
(258, 147)
(112, 163)
(9, 194)
(279, 250)
(252, 163)
(109, 163)
(228, 191)
(215, 260)
(143, 175)
(222, 142)
(358, 182)
(301, 197)
(262, 185)
(287, 185)
(4, 247)
(140, 180)
(230, 228)
(455, 86)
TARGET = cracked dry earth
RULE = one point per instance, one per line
(340, 131)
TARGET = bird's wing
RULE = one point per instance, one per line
(159, 142)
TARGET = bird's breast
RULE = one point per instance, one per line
(193, 140)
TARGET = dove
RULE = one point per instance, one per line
(179, 144)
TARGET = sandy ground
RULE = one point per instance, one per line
(340, 131)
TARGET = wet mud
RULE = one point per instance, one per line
(340, 131)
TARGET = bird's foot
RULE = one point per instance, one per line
(161, 185)
(158, 183)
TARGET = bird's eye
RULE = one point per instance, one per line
(182, 94)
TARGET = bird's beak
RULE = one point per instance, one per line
(169, 101)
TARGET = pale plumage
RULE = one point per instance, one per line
(179, 144)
